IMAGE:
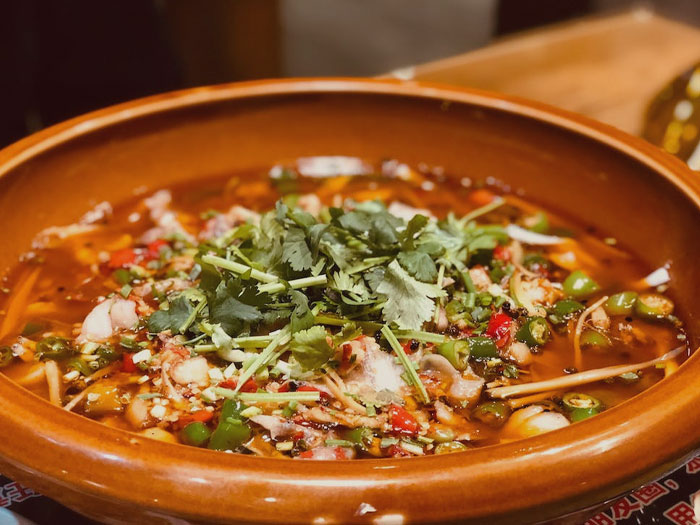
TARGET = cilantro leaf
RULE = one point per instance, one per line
(351, 289)
(348, 332)
(371, 221)
(301, 217)
(374, 277)
(271, 317)
(171, 319)
(159, 321)
(281, 210)
(302, 318)
(414, 226)
(228, 306)
(267, 246)
(409, 302)
(295, 251)
(383, 231)
(334, 244)
(346, 283)
(356, 222)
(315, 234)
(180, 310)
(419, 265)
(310, 348)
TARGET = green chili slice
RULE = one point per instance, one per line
(106, 355)
(456, 352)
(493, 413)
(579, 414)
(653, 306)
(482, 347)
(54, 348)
(621, 303)
(564, 310)
(579, 285)
(581, 406)
(5, 356)
(455, 310)
(449, 447)
(538, 222)
(361, 437)
(574, 400)
(442, 434)
(231, 432)
(595, 339)
(32, 328)
(535, 332)
(80, 365)
(195, 434)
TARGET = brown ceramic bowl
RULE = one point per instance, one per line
(619, 184)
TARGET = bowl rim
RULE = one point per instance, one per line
(532, 457)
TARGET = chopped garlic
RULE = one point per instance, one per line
(89, 347)
(230, 371)
(215, 374)
(158, 411)
(141, 356)
(70, 376)
(209, 395)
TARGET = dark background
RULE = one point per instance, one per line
(60, 58)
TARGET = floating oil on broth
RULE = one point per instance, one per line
(366, 398)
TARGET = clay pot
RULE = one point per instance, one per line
(622, 185)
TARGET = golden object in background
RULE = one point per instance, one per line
(673, 118)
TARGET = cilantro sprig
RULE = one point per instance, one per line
(291, 273)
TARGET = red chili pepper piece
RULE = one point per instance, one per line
(122, 258)
(202, 416)
(229, 383)
(347, 352)
(128, 364)
(402, 421)
(499, 328)
(396, 451)
(340, 453)
(153, 248)
(284, 387)
(249, 386)
(299, 420)
(407, 347)
(308, 388)
(502, 253)
(465, 332)
(128, 256)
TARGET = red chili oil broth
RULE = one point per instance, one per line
(66, 287)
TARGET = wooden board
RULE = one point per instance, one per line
(607, 68)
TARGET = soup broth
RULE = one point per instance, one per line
(335, 309)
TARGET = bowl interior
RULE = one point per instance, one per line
(558, 168)
(609, 182)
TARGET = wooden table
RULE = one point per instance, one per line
(608, 68)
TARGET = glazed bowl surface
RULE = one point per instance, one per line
(618, 184)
